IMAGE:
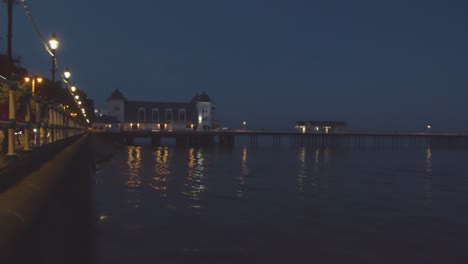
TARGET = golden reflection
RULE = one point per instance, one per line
(428, 177)
(133, 181)
(195, 184)
(134, 165)
(244, 173)
(302, 173)
(162, 162)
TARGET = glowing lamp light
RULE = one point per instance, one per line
(53, 42)
(27, 79)
(67, 73)
(73, 88)
(39, 79)
(428, 126)
(79, 102)
(77, 97)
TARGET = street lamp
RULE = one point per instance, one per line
(33, 81)
(73, 88)
(67, 73)
(244, 124)
(53, 43)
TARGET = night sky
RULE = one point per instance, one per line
(378, 65)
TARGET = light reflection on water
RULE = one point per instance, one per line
(195, 179)
(328, 204)
(134, 167)
(161, 171)
(133, 180)
(244, 173)
(428, 177)
(302, 170)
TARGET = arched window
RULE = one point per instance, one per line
(141, 115)
(168, 115)
(182, 115)
(155, 115)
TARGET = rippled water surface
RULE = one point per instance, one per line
(265, 204)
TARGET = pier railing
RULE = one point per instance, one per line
(51, 122)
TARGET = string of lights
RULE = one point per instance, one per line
(36, 29)
(51, 53)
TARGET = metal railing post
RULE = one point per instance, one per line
(60, 124)
(12, 119)
(27, 126)
(50, 118)
(44, 126)
(38, 124)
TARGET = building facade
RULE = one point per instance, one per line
(106, 123)
(197, 115)
(321, 126)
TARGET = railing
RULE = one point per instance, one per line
(51, 124)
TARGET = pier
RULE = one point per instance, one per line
(292, 138)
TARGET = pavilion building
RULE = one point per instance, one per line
(197, 115)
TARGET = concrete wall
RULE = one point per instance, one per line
(46, 210)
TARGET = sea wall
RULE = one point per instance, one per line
(46, 205)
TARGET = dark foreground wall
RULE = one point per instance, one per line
(46, 215)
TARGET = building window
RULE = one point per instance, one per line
(117, 108)
(141, 115)
(182, 116)
(155, 114)
(168, 116)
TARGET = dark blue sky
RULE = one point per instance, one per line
(379, 65)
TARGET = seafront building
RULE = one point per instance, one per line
(320, 126)
(126, 115)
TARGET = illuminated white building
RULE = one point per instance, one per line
(162, 116)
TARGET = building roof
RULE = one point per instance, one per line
(203, 97)
(116, 95)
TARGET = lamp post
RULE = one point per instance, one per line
(33, 81)
(244, 124)
(63, 118)
(54, 43)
